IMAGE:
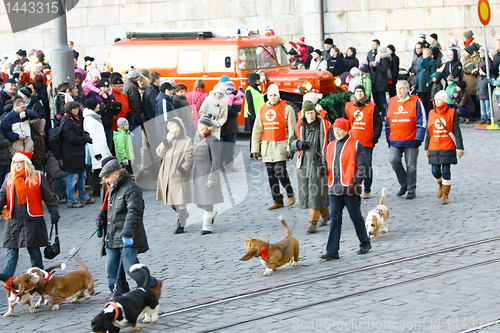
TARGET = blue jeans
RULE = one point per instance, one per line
(441, 170)
(406, 178)
(485, 108)
(129, 258)
(337, 204)
(77, 179)
(60, 185)
(463, 112)
(9, 268)
(369, 176)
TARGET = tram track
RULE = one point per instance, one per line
(336, 275)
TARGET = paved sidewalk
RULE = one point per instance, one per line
(198, 269)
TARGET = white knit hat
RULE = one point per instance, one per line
(441, 95)
(273, 89)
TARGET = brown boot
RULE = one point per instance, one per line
(291, 200)
(446, 191)
(312, 227)
(439, 193)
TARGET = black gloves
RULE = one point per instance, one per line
(98, 157)
(55, 219)
(87, 137)
(128, 232)
(353, 188)
(101, 222)
(322, 171)
(416, 143)
(303, 144)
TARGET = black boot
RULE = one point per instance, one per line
(3, 277)
(179, 230)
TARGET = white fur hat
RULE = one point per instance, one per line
(441, 95)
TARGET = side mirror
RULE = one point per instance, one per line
(227, 62)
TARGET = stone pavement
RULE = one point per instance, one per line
(402, 296)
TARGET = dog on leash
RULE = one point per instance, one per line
(274, 255)
(377, 219)
(21, 289)
(126, 310)
(57, 289)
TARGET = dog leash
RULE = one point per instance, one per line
(81, 246)
(117, 276)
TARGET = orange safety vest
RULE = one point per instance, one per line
(273, 122)
(439, 139)
(33, 198)
(325, 127)
(402, 119)
(348, 165)
(361, 120)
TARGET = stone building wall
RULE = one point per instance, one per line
(94, 24)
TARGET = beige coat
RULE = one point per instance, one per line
(173, 187)
(468, 77)
(217, 108)
(273, 151)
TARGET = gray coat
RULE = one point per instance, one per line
(438, 157)
(22, 230)
(313, 189)
(207, 162)
(125, 214)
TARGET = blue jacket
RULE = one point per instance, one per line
(10, 119)
(421, 127)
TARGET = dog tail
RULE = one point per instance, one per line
(80, 262)
(382, 198)
(51, 269)
(137, 267)
(282, 219)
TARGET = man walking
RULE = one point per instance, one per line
(272, 131)
(405, 128)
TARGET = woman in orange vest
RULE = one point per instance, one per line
(345, 167)
(442, 143)
(312, 135)
(22, 191)
(366, 126)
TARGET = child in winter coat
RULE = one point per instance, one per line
(235, 99)
(91, 81)
(352, 78)
(483, 95)
(436, 84)
(463, 101)
(451, 90)
(63, 96)
(365, 79)
(123, 144)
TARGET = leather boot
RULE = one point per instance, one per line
(439, 193)
(446, 191)
(179, 230)
(312, 227)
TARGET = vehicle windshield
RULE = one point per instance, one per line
(256, 57)
(282, 55)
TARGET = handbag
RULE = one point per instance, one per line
(52, 250)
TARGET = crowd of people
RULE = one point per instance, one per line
(53, 138)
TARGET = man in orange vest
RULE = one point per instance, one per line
(405, 128)
(366, 126)
(273, 128)
(346, 168)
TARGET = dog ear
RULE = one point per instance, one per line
(248, 256)
(41, 278)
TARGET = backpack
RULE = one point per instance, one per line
(55, 143)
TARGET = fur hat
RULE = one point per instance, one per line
(23, 156)
(341, 123)
(441, 95)
(122, 122)
(91, 103)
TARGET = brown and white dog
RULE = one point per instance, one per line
(59, 288)
(21, 289)
(274, 255)
(377, 219)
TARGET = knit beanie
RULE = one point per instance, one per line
(122, 122)
(308, 106)
(328, 41)
(391, 47)
(341, 123)
(133, 73)
(206, 120)
(360, 86)
(433, 35)
(441, 95)
(451, 78)
(468, 34)
(312, 96)
(462, 84)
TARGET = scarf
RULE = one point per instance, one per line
(105, 202)
(469, 41)
(424, 63)
(20, 186)
(442, 108)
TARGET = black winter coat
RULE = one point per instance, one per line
(350, 62)
(73, 139)
(336, 65)
(437, 157)
(131, 90)
(394, 67)
(149, 101)
(453, 67)
(380, 82)
(125, 214)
